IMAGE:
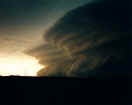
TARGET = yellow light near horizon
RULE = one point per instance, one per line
(19, 65)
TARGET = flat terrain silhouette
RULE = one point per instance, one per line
(45, 90)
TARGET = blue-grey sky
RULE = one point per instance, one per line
(23, 21)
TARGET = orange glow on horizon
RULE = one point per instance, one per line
(19, 66)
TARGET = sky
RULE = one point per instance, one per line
(23, 22)
(22, 26)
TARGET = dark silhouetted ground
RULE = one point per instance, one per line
(73, 91)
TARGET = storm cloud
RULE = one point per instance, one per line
(88, 40)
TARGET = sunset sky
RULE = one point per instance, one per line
(23, 23)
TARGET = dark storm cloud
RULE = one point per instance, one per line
(92, 38)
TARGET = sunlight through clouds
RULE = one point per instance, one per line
(19, 65)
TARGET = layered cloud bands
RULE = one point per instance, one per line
(90, 39)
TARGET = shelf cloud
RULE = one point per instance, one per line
(88, 40)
